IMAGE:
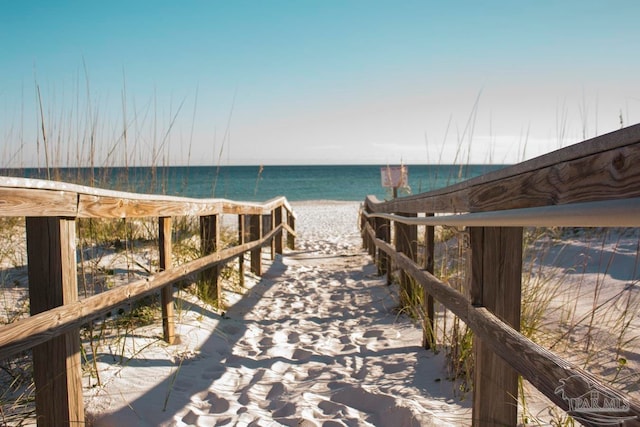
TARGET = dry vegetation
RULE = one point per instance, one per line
(110, 253)
(580, 299)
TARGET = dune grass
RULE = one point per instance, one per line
(572, 309)
(78, 143)
(580, 299)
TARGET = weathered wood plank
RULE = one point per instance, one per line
(37, 203)
(455, 301)
(607, 213)
(496, 271)
(26, 333)
(545, 370)
(202, 206)
(267, 225)
(277, 220)
(369, 246)
(603, 176)
(428, 332)
(383, 232)
(556, 378)
(131, 205)
(91, 206)
(166, 294)
(602, 167)
(51, 251)
(242, 235)
(291, 235)
(406, 239)
(255, 233)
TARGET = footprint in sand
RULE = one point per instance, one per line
(301, 354)
(218, 404)
(394, 368)
(374, 333)
(265, 342)
(382, 409)
(348, 348)
(285, 411)
(359, 368)
(361, 374)
(337, 297)
(191, 418)
(332, 408)
(276, 391)
(244, 398)
(313, 373)
(294, 338)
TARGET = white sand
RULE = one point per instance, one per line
(314, 342)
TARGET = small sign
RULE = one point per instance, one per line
(394, 176)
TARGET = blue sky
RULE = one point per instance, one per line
(312, 82)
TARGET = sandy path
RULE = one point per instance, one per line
(315, 342)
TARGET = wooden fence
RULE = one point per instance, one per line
(52, 330)
(592, 184)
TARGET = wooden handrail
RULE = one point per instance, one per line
(595, 183)
(539, 366)
(610, 213)
(34, 197)
(31, 331)
(602, 168)
(52, 331)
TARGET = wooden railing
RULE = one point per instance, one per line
(594, 183)
(52, 330)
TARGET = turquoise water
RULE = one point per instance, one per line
(255, 183)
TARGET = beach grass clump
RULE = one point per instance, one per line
(542, 285)
(114, 336)
(450, 334)
(111, 252)
(580, 300)
(451, 266)
(17, 392)
(14, 303)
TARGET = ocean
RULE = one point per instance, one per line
(260, 183)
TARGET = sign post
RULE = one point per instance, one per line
(394, 177)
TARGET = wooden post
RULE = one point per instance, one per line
(255, 232)
(428, 332)
(291, 239)
(407, 243)
(363, 223)
(241, 240)
(392, 232)
(166, 294)
(53, 281)
(371, 247)
(496, 270)
(209, 241)
(383, 232)
(277, 220)
(267, 226)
